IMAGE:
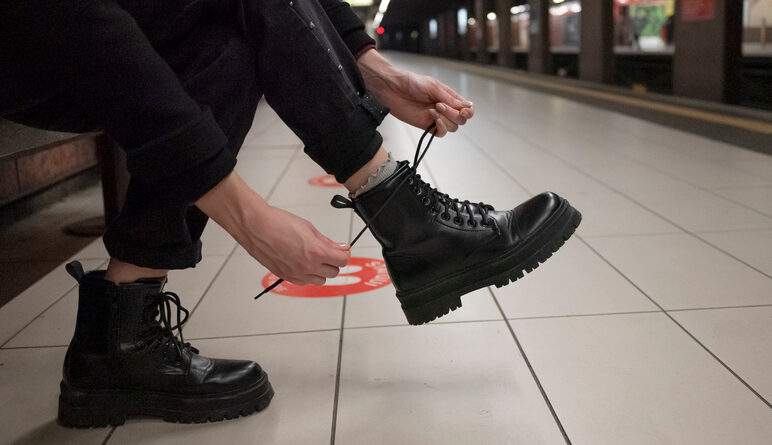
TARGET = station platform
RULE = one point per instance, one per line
(652, 325)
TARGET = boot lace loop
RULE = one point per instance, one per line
(166, 306)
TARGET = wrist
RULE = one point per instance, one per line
(376, 70)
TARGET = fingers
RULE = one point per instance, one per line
(443, 125)
(467, 113)
(451, 98)
(327, 271)
(451, 114)
(335, 254)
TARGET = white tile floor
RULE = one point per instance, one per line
(653, 325)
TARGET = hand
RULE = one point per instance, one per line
(413, 98)
(289, 246)
(292, 248)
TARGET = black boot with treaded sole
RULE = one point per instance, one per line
(438, 248)
(125, 361)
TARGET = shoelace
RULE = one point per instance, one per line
(339, 202)
(164, 334)
(439, 201)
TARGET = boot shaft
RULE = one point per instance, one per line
(108, 314)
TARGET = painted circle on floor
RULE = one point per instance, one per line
(360, 275)
(325, 181)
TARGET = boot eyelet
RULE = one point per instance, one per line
(458, 220)
(445, 216)
(410, 181)
(472, 223)
(427, 202)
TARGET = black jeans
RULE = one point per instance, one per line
(225, 55)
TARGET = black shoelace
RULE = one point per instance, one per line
(432, 197)
(161, 331)
(442, 204)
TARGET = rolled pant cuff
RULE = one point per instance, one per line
(171, 258)
(353, 143)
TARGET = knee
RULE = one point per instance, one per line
(219, 62)
(223, 75)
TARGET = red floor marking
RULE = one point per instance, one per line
(361, 275)
(325, 181)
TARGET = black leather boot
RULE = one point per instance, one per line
(125, 361)
(438, 248)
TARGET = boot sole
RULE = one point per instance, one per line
(444, 296)
(87, 409)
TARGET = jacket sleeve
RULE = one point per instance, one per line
(348, 25)
(94, 52)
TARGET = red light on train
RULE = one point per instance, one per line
(380, 30)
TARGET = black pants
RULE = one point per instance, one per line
(226, 55)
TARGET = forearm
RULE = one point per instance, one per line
(233, 205)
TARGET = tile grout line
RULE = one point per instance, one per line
(695, 185)
(708, 232)
(677, 323)
(336, 393)
(334, 423)
(611, 188)
(43, 311)
(737, 376)
(745, 306)
(109, 434)
(484, 320)
(263, 334)
(743, 187)
(531, 370)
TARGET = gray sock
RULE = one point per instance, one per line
(384, 171)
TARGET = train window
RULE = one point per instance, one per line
(757, 21)
(644, 26)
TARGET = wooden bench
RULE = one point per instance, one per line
(34, 163)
